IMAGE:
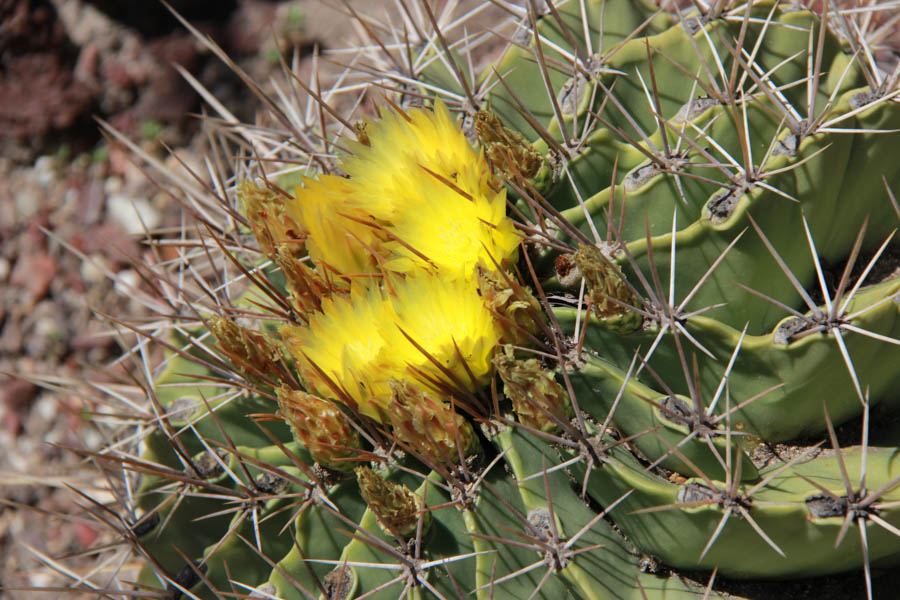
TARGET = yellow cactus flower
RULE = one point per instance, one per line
(418, 196)
(421, 207)
(353, 348)
(339, 353)
(449, 322)
(449, 227)
(398, 143)
(434, 192)
(338, 239)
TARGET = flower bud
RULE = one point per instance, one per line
(306, 285)
(395, 505)
(270, 223)
(507, 150)
(534, 393)
(362, 136)
(606, 284)
(429, 426)
(253, 352)
(511, 301)
(321, 427)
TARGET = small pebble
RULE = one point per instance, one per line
(46, 407)
(132, 214)
(16, 393)
(127, 282)
(94, 269)
(28, 203)
(112, 185)
(34, 273)
(44, 172)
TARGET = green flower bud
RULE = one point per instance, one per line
(508, 150)
(605, 284)
(395, 505)
(534, 393)
(511, 301)
(253, 352)
(307, 286)
(270, 223)
(429, 426)
(321, 427)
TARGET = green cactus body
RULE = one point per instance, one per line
(646, 369)
(809, 370)
(796, 521)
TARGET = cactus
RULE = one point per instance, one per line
(597, 321)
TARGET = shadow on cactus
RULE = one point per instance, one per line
(600, 320)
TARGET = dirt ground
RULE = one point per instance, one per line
(72, 209)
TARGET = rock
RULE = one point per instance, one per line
(91, 202)
(251, 26)
(113, 183)
(16, 394)
(127, 282)
(46, 335)
(85, 534)
(93, 270)
(134, 215)
(11, 337)
(44, 172)
(34, 273)
(39, 91)
(27, 202)
(109, 241)
(11, 423)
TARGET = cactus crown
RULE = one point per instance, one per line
(582, 321)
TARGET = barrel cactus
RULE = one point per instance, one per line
(611, 316)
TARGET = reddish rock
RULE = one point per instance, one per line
(11, 423)
(85, 534)
(73, 281)
(34, 273)
(166, 97)
(250, 27)
(16, 394)
(106, 239)
(38, 90)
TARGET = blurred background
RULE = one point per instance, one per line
(73, 209)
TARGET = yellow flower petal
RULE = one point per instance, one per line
(336, 237)
(398, 144)
(450, 324)
(453, 232)
(339, 353)
(419, 196)
(358, 344)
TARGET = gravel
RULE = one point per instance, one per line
(73, 213)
